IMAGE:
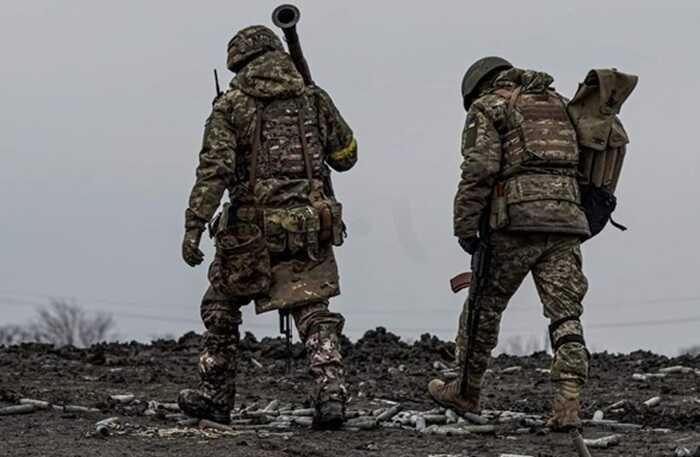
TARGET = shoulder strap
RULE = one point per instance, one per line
(512, 97)
(304, 145)
(255, 149)
(513, 100)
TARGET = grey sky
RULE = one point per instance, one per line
(102, 106)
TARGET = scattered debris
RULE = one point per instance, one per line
(604, 442)
(38, 404)
(105, 426)
(17, 409)
(362, 423)
(383, 410)
(421, 423)
(652, 402)
(613, 425)
(647, 376)
(389, 413)
(124, 399)
(439, 366)
(677, 369)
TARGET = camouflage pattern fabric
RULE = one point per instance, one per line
(271, 247)
(526, 145)
(299, 281)
(218, 359)
(555, 263)
(318, 328)
(230, 131)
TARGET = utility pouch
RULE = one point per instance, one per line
(241, 266)
(338, 227)
(275, 234)
(302, 226)
(332, 228)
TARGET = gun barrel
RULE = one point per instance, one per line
(286, 17)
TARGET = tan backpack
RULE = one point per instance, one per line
(602, 141)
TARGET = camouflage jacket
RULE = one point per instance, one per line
(520, 157)
(230, 132)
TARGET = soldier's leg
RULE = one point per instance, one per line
(214, 398)
(513, 256)
(562, 286)
(320, 331)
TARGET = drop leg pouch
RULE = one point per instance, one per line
(241, 266)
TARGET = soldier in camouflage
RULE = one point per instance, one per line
(269, 142)
(519, 170)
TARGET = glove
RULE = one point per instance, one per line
(190, 247)
(469, 244)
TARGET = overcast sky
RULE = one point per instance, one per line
(102, 106)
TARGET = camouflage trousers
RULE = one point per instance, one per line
(556, 266)
(318, 328)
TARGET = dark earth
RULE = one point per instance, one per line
(380, 367)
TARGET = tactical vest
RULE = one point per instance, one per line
(282, 152)
(283, 182)
(537, 190)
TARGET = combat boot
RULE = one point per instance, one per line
(328, 392)
(566, 407)
(196, 403)
(449, 396)
(329, 415)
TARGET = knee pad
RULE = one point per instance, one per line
(567, 330)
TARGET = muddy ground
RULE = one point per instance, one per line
(381, 369)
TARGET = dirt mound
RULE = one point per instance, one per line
(128, 379)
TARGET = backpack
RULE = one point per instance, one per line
(602, 141)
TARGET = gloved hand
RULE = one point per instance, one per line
(469, 244)
(190, 247)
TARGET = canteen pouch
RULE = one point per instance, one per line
(332, 227)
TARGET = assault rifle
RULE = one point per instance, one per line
(476, 281)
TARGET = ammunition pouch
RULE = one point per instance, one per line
(241, 266)
(301, 229)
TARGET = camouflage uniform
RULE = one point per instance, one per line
(520, 157)
(269, 142)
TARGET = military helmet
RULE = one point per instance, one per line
(477, 73)
(250, 43)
